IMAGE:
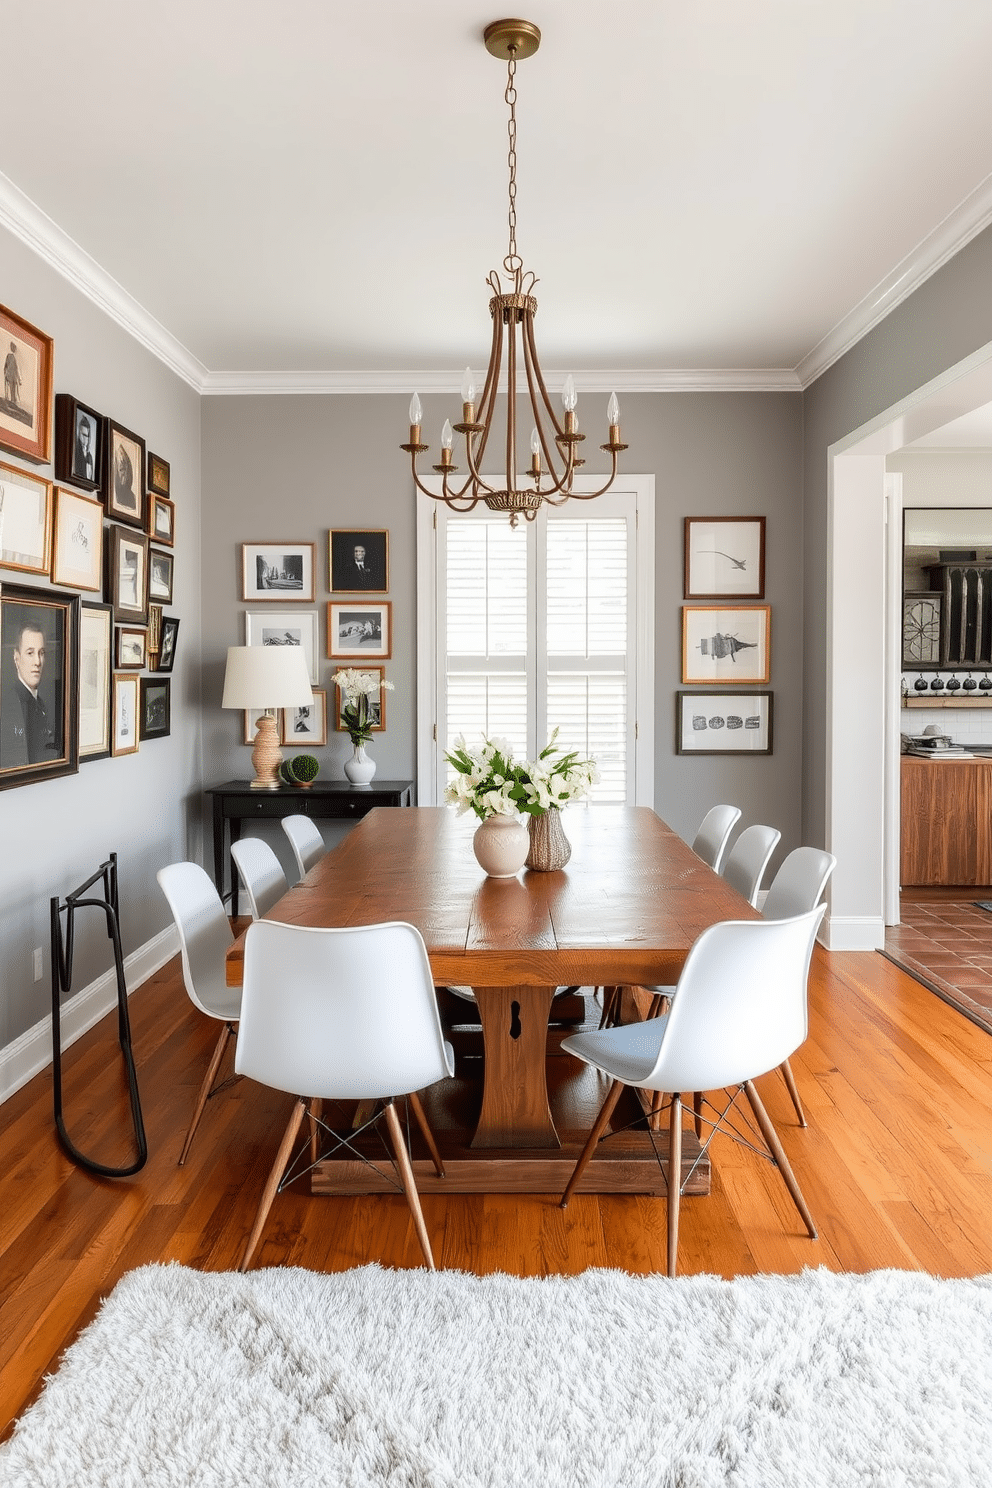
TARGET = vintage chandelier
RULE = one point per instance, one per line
(554, 442)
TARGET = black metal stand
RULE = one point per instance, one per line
(62, 982)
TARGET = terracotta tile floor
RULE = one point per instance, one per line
(947, 944)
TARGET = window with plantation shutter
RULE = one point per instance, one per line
(546, 625)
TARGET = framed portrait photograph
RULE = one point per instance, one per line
(77, 547)
(360, 629)
(124, 714)
(96, 633)
(123, 472)
(723, 723)
(127, 575)
(155, 710)
(278, 571)
(162, 520)
(358, 559)
(78, 443)
(724, 558)
(26, 405)
(722, 643)
(376, 705)
(39, 685)
(284, 628)
(25, 521)
(159, 475)
(167, 644)
(161, 567)
(306, 725)
(132, 648)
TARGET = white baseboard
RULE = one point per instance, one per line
(32, 1052)
(852, 933)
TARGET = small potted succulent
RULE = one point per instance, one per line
(302, 770)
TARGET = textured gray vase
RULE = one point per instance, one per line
(550, 849)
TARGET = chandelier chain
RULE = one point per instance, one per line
(512, 262)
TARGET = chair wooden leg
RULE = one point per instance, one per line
(778, 1152)
(315, 1111)
(409, 1186)
(599, 1126)
(790, 1082)
(273, 1180)
(697, 1111)
(674, 1180)
(611, 998)
(425, 1131)
(206, 1087)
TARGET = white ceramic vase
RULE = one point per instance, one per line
(501, 845)
(361, 767)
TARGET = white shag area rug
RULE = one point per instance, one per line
(400, 1378)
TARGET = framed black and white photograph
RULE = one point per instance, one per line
(359, 629)
(308, 724)
(77, 547)
(161, 567)
(358, 559)
(278, 571)
(78, 443)
(723, 722)
(284, 628)
(167, 644)
(39, 685)
(25, 521)
(123, 475)
(159, 475)
(155, 708)
(96, 632)
(724, 558)
(723, 643)
(127, 575)
(124, 714)
(26, 405)
(376, 704)
(162, 520)
(132, 648)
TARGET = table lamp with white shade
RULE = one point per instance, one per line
(267, 677)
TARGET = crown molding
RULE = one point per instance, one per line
(37, 231)
(630, 380)
(964, 222)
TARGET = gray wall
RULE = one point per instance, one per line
(293, 467)
(53, 834)
(944, 321)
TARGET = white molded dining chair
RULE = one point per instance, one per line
(739, 1010)
(745, 864)
(260, 872)
(715, 828)
(305, 840)
(204, 937)
(341, 1014)
(799, 883)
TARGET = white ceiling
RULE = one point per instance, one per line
(706, 184)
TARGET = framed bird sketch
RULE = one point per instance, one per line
(724, 558)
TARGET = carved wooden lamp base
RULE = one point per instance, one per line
(266, 755)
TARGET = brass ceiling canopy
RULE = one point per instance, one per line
(513, 307)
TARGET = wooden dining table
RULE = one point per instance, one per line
(623, 912)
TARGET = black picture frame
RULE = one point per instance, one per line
(161, 574)
(96, 669)
(71, 418)
(123, 489)
(39, 699)
(723, 558)
(155, 710)
(345, 576)
(126, 555)
(168, 640)
(719, 721)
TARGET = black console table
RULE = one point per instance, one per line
(236, 802)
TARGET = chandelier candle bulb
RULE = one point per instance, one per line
(535, 454)
(416, 418)
(569, 397)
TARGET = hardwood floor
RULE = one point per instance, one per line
(896, 1165)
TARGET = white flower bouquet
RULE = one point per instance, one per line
(357, 690)
(490, 782)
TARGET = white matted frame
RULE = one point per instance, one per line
(724, 558)
(125, 714)
(278, 572)
(285, 628)
(96, 636)
(25, 521)
(77, 547)
(726, 643)
(306, 725)
(360, 628)
(720, 722)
